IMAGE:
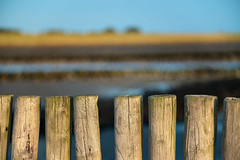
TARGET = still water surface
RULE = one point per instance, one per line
(118, 66)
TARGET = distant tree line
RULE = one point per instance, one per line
(11, 31)
(129, 30)
(54, 32)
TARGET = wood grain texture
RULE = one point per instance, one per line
(86, 128)
(5, 123)
(200, 127)
(26, 128)
(128, 127)
(231, 129)
(58, 127)
(162, 111)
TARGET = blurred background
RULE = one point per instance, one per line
(110, 48)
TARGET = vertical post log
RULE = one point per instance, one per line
(5, 123)
(86, 128)
(231, 129)
(26, 128)
(162, 111)
(200, 127)
(58, 127)
(128, 127)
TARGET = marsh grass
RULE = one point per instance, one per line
(9, 39)
(160, 75)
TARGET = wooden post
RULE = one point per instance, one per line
(5, 122)
(200, 127)
(86, 128)
(58, 127)
(128, 127)
(162, 127)
(231, 129)
(26, 128)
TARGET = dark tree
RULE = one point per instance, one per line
(109, 31)
(133, 30)
(54, 32)
(11, 31)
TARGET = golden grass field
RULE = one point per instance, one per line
(8, 40)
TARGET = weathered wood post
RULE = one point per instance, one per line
(162, 111)
(128, 127)
(58, 127)
(86, 128)
(5, 123)
(200, 127)
(231, 129)
(26, 128)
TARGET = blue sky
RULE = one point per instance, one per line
(161, 16)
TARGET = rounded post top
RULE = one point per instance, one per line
(128, 96)
(200, 96)
(6, 95)
(85, 96)
(28, 97)
(232, 99)
(163, 96)
(56, 97)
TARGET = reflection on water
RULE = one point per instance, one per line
(110, 92)
(118, 66)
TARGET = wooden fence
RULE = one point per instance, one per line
(200, 124)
